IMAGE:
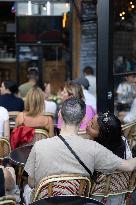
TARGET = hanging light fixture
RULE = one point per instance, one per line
(44, 7)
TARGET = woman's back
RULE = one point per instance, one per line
(39, 121)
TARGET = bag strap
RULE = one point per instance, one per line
(76, 156)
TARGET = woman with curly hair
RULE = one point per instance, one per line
(105, 128)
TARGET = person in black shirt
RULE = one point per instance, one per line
(8, 98)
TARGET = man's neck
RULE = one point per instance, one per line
(68, 130)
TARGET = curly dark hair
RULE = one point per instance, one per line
(110, 133)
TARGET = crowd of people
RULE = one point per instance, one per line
(102, 147)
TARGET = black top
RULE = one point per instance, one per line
(11, 102)
(2, 183)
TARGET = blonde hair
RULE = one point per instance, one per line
(34, 102)
(74, 90)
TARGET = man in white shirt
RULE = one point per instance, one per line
(89, 75)
(89, 98)
(130, 116)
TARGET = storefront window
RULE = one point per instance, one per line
(45, 9)
(124, 56)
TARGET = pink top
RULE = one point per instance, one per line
(88, 116)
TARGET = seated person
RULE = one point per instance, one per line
(33, 77)
(125, 93)
(89, 75)
(130, 116)
(72, 89)
(106, 130)
(4, 123)
(89, 98)
(94, 155)
(8, 98)
(8, 183)
(33, 115)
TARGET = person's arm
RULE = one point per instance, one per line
(128, 165)
(19, 119)
(106, 161)
(51, 127)
(31, 182)
(6, 129)
(30, 167)
(9, 180)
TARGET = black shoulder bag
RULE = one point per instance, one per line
(76, 156)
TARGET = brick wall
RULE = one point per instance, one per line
(88, 35)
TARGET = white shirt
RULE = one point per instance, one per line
(89, 99)
(50, 107)
(92, 84)
(125, 92)
(3, 117)
(131, 115)
(128, 151)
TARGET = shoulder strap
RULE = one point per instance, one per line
(76, 156)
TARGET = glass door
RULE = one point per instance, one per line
(43, 39)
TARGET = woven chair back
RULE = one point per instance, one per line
(7, 200)
(5, 148)
(114, 184)
(62, 185)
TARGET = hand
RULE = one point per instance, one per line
(121, 116)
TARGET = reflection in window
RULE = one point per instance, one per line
(27, 53)
(45, 9)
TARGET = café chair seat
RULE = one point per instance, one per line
(7, 200)
(70, 184)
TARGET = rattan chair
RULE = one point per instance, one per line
(40, 134)
(56, 185)
(7, 200)
(5, 148)
(114, 184)
(129, 130)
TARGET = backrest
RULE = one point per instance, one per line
(5, 148)
(40, 134)
(56, 185)
(129, 130)
(114, 184)
(7, 200)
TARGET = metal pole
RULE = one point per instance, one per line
(105, 81)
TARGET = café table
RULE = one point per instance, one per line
(67, 200)
(19, 155)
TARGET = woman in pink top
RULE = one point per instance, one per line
(33, 115)
(72, 89)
